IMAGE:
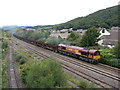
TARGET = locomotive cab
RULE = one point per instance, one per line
(96, 55)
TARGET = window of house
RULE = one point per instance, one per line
(103, 31)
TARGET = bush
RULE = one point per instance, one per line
(83, 84)
(108, 57)
(46, 74)
(4, 45)
(20, 59)
(4, 49)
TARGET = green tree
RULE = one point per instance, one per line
(117, 49)
(73, 36)
(47, 74)
(90, 38)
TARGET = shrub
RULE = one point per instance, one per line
(4, 45)
(18, 57)
(83, 84)
(108, 57)
(22, 61)
(47, 74)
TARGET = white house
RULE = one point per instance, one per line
(103, 32)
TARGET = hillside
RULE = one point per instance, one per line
(103, 18)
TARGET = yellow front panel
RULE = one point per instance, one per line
(90, 56)
(96, 57)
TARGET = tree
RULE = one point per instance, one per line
(90, 38)
(47, 74)
(73, 36)
(117, 49)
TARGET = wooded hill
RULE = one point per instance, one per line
(103, 18)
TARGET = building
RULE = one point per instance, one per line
(103, 32)
(111, 40)
(62, 35)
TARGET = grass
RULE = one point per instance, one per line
(3, 69)
(4, 74)
(3, 65)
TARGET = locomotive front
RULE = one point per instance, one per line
(95, 55)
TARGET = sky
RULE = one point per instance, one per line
(48, 12)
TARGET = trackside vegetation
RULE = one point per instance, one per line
(46, 74)
(4, 67)
(43, 73)
(38, 72)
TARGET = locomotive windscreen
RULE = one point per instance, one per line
(97, 53)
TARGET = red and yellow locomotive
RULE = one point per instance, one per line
(92, 56)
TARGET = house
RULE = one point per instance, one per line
(30, 29)
(62, 35)
(103, 32)
(110, 40)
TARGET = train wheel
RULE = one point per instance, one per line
(56, 51)
(89, 60)
(68, 54)
(95, 62)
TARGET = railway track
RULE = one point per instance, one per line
(78, 72)
(109, 68)
(14, 81)
(83, 74)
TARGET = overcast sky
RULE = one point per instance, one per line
(48, 12)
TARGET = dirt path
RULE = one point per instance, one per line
(14, 78)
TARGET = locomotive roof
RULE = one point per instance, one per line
(93, 51)
(78, 48)
(73, 47)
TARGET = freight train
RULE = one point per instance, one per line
(88, 55)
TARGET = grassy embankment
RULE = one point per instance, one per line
(3, 66)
